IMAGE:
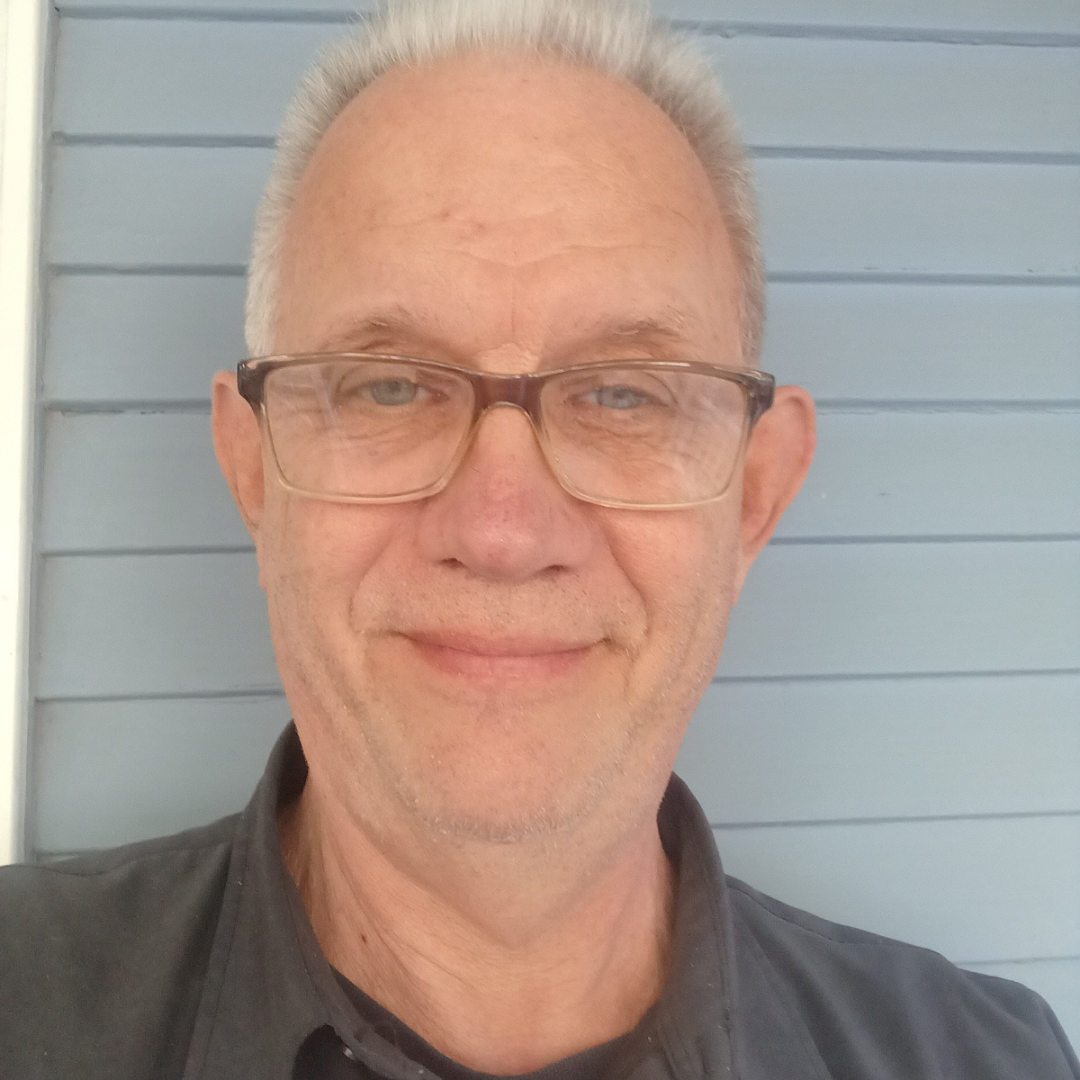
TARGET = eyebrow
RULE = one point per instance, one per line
(669, 326)
(393, 322)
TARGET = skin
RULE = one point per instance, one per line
(491, 684)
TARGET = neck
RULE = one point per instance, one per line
(503, 959)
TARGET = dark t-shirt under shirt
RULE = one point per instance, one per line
(597, 1061)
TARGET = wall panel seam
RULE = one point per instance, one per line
(151, 550)
(172, 695)
(721, 680)
(784, 277)
(907, 675)
(904, 819)
(763, 151)
(704, 27)
(1052, 959)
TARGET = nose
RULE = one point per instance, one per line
(503, 515)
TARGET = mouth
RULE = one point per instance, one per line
(503, 656)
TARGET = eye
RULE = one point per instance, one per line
(619, 396)
(392, 391)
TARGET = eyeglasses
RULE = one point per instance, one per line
(372, 428)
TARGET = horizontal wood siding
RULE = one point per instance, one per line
(184, 762)
(156, 484)
(957, 886)
(126, 339)
(756, 753)
(143, 207)
(788, 92)
(828, 750)
(983, 18)
(113, 625)
(893, 736)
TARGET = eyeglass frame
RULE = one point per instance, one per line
(490, 389)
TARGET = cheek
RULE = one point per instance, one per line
(683, 564)
(314, 557)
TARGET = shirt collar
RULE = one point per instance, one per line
(268, 986)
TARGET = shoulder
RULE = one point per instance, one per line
(111, 902)
(863, 997)
(98, 948)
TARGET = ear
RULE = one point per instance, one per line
(238, 445)
(777, 460)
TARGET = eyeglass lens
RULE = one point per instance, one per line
(381, 429)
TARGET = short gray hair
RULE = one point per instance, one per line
(614, 37)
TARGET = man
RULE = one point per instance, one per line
(506, 460)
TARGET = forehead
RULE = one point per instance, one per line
(508, 178)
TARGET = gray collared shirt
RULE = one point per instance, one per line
(192, 958)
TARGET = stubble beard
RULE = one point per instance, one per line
(365, 738)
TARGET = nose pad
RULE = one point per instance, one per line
(489, 409)
(505, 405)
(474, 434)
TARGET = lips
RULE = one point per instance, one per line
(502, 645)
(505, 656)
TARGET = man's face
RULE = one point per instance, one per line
(500, 660)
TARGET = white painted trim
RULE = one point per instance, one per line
(21, 128)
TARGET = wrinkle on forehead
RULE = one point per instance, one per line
(474, 144)
(519, 241)
(538, 260)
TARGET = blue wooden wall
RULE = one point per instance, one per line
(893, 738)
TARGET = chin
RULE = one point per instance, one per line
(499, 765)
(501, 799)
